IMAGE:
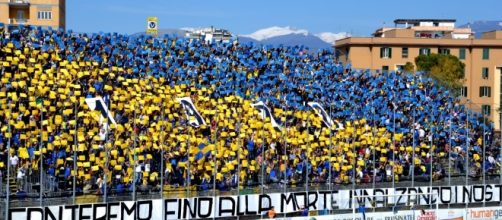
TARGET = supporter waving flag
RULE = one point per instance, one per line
(265, 112)
(193, 116)
(98, 104)
(322, 113)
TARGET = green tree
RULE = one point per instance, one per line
(447, 70)
(409, 67)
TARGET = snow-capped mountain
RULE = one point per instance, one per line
(478, 27)
(275, 31)
(275, 36)
(291, 36)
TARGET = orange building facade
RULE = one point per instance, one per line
(44, 13)
(389, 49)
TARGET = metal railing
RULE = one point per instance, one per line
(18, 21)
(19, 1)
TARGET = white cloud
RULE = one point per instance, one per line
(330, 38)
(275, 31)
(188, 29)
(500, 24)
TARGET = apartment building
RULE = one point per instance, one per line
(390, 48)
(44, 13)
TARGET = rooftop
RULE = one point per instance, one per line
(404, 21)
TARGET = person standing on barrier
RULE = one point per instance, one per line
(271, 213)
(362, 210)
(305, 211)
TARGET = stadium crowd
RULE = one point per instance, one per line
(384, 122)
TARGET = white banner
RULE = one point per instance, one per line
(430, 195)
(256, 204)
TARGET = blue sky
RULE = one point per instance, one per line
(244, 17)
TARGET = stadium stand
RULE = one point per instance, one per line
(379, 119)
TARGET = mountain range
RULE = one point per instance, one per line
(275, 35)
(478, 27)
(289, 36)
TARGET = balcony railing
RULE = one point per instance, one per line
(18, 21)
(20, 2)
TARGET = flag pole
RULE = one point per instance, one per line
(162, 159)
(431, 152)
(239, 146)
(307, 162)
(263, 164)
(330, 178)
(373, 127)
(484, 151)
(215, 169)
(467, 156)
(40, 168)
(135, 155)
(500, 146)
(107, 155)
(284, 139)
(188, 163)
(7, 190)
(412, 171)
(394, 106)
(449, 152)
(75, 142)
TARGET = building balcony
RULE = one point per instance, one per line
(19, 2)
(18, 21)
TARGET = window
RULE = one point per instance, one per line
(385, 69)
(463, 91)
(400, 68)
(424, 51)
(405, 52)
(445, 51)
(44, 15)
(485, 73)
(486, 109)
(347, 54)
(386, 52)
(20, 14)
(461, 54)
(485, 91)
(486, 53)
